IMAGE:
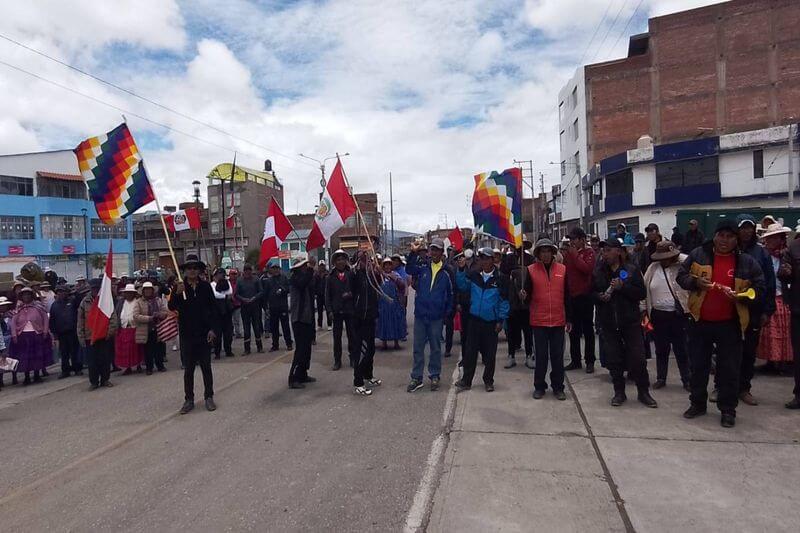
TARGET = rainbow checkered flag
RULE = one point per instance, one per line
(497, 205)
(115, 174)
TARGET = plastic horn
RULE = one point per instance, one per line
(750, 294)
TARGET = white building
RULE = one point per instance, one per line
(572, 144)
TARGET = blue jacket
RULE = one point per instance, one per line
(766, 305)
(488, 299)
(432, 302)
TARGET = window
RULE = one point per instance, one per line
(574, 98)
(577, 195)
(563, 168)
(13, 228)
(575, 130)
(213, 202)
(687, 173)
(561, 140)
(758, 164)
(576, 163)
(560, 112)
(16, 186)
(61, 188)
(103, 231)
(215, 228)
(62, 227)
(619, 182)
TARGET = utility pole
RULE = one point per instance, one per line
(391, 211)
(580, 193)
(323, 183)
(791, 166)
(533, 193)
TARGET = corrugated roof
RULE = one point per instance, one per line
(58, 176)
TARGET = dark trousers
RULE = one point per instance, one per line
(449, 328)
(364, 329)
(98, 361)
(481, 337)
(727, 337)
(279, 319)
(251, 318)
(519, 329)
(795, 328)
(321, 311)
(549, 348)
(69, 350)
(197, 352)
(465, 322)
(303, 335)
(223, 329)
(342, 322)
(582, 317)
(625, 351)
(669, 332)
(752, 335)
(154, 352)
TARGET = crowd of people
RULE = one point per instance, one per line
(718, 304)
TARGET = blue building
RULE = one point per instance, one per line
(46, 217)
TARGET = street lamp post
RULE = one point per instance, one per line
(322, 184)
(196, 185)
(85, 243)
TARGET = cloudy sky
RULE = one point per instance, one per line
(433, 91)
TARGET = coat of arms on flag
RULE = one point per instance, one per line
(497, 205)
(115, 174)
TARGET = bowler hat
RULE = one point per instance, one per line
(193, 260)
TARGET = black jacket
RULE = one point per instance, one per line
(301, 287)
(196, 312)
(319, 284)
(63, 316)
(517, 276)
(623, 307)
(365, 296)
(339, 293)
(692, 240)
(275, 292)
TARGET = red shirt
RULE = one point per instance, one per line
(717, 307)
(580, 265)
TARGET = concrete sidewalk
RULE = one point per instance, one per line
(518, 464)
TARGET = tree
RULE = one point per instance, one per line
(97, 261)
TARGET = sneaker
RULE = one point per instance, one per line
(511, 363)
(414, 385)
(210, 405)
(660, 384)
(747, 398)
(375, 382)
(560, 395)
(618, 399)
(362, 391)
(694, 411)
(434, 384)
(713, 396)
(330, 328)
(529, 362)
(538, 394)
(727, 420)
(188, 405)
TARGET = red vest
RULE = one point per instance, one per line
(547, 295)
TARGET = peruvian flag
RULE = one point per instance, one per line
(230, 220)
(183, 219)
(455, 239)
(276, 228)
(337, 205)
(103, 305)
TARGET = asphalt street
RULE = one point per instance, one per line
(269, 458)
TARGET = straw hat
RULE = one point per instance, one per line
(775, 229)
(130, 287)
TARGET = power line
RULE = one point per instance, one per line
(149, 101)
(613, 23)
(596, 29)
(627, 24)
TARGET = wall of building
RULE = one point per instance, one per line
(572, 108)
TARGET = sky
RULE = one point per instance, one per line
(431, 91)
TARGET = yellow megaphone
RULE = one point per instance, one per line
(749, 294)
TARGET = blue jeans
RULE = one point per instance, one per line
(427, 333)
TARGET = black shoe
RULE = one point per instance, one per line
(687, 387)
(446, 354)
(461, 386)
(308, 379)
(590, 368)
(127, 372)
(217, 356)
(660, 384)
(94, 387)
(434, 384)
(63, 375)
(229, 355)
(273, 349)
(618, 399)
(573, 366)
(337, 365)
(79, 372)
(538, 394)
(188, 405)
(489, 387)
(210, 405)
(246, 352)
(149, 372)
(694, 411)
(290, 346)
(560, 395)
(296, 385)
(511, 363)
(107, 384)
(794, 403)
(727, 420)
(259, 348)
(647, 400)
(162, 369)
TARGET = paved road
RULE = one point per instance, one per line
(268, 458)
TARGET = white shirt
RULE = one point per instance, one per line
(223, 294)
(126, 315)
(660, 294)
(776, 265)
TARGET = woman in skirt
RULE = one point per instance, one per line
(391, 314)
(127, 353)
(5, 328)
(775, 344)
(30, 337)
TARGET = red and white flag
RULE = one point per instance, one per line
(103, 304)
(230, 220)
(337, 205)
(183, 219)
(276, 228)
(455, 239)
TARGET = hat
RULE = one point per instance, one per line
(61, 288)
(130, 287)
(5, 301)
(527, 244)
(775, 229)
(544, 243)
(26, 289)
(639, 237)
(80, 278)
(299, 261)
(487, 252)
(767, 218)
(218, 270)
(577, 233)
(665, 250)
(495, 251)
(95, 283)
(193, 260)
(45, 285)
(725, 224)
(745, 218)
(397, 257)
(437, 243)
(623, 225)
(693, 221)
(18, 282)
(651, 227)
(387, 260)
(612, 242)
(146, 285)
(564, 240)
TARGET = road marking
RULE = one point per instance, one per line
(419, 513)
(47, 479)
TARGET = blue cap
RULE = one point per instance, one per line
(745, 218)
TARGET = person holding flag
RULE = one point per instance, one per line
(96, 335)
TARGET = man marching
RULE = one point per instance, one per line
(301, 311)
(339, 302)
